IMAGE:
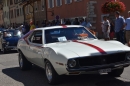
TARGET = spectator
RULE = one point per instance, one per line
(127, 29)
(44, 23)
(83, 23)
(119, 27)
(111, 29)
(27, 27)
(106, 28)
(67, 22)
(32, 26)
(76, 22)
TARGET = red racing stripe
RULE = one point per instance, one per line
(93, 46)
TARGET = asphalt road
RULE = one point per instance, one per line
(11, 75)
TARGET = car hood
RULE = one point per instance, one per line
(89, 47)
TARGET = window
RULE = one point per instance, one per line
(36, 7)
(42, 5)
(36, 37)
(11, 2)
(68, 1)
(58, 2)
(50, 3)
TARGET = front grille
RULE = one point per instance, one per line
(100, 60)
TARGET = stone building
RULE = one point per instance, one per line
(1, 15)
(70, 9)
(34, 10)
(6, 18)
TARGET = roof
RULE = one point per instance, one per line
(60, 26)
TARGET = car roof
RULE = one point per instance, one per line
(60, 26)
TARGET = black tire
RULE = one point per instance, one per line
(4, 51)
(116, 72)
(25, 65)
(55, 79)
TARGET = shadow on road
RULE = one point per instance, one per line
(36, 77)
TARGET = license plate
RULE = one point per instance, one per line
(105, 70)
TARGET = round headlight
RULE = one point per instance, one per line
(128, 56)
(72, 63)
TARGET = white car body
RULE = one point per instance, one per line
(59, 53)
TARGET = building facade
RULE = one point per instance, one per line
(34, 10)
(6, 19)
(70, 9)
(1, 15)
(16, 13)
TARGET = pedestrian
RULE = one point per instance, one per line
(68, 22)
(76, 22)
(127, 29)
(44, 23)
(111, 30)
(32, 26)
(27, 27)
(83, 23)
(106, 28)
(119, 27)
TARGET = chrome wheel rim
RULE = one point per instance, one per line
(20, 61)
(48, 72)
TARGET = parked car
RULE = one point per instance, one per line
(9, 40)
(71, 50)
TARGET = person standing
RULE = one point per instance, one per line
(111, 30)
(119, 27)
(76, 22)
(127, 29)
(106, 28)
(32, 26)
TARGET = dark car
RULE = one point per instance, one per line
(9, 40)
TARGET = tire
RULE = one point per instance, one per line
(51, 75)
(24, 64)
(116, 72)
(4, 51)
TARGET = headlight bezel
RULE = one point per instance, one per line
(72, 63)
(128, 56)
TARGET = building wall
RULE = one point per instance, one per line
(16, 14)
(74, 9)
(1, 17)
(39, 13)
(6, 13)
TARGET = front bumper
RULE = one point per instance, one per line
(11, 47)
(98, 67)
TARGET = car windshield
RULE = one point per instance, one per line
(64, 34)
(12, 33)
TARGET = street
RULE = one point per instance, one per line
(11, 75)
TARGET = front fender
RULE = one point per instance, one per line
(58, 59)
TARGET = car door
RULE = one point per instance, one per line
(35, 48)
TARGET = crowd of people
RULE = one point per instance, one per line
(119, 27)
(27, 27)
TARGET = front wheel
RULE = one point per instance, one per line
(24, 64)
(51, 75)
(116, 72)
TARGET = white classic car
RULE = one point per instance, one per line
(71, 50)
